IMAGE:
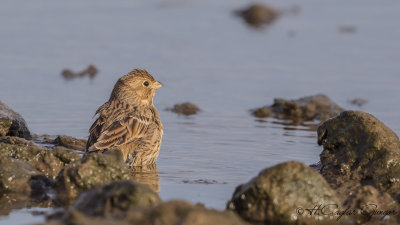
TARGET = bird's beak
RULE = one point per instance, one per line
(156, 85)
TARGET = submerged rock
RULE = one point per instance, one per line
(360, 150)
(186, 109)
(317, 107)
(91, 71)
(257, 15)
(92, 171)
(115, 199)
(282, 194)
(358, 101)
(168, 213)
(12, 123)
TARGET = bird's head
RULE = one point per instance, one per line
(137, 87)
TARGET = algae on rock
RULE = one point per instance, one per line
(360, 150)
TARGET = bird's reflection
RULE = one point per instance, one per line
(147, 175)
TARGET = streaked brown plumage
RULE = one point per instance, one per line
(129, 121)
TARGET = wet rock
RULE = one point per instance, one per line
(12, 123)
(358, 101)
(186, 109)
(317, 107)
(91, 71)
(115, 199)
(372, 207)
(168, 213)
(70, 142)
(92, 171)
(257, 15)
(360, 150)
(14, 175)
(277, 193)
(48, 162)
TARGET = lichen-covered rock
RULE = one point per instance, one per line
(257, 15)
(48, 162)
(115, 199)
(14, 175)
(317, 107)
(372, 207)
(168, 213)
(185, 108)
(70, 142)
(360, 150)
(281, 195)
(12, 123)
(92, 171)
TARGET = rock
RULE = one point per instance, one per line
(186, 109)
(14, 175)
(115, 199)
(367, 201)
(182, 213)
(48, 162)
(91, 71)
(168, 213)
(70, 142)
(317, 107)
(282, 194)
(347, 29)
(358, 101)
(257, 15)
(360, 150)
(12, 123)
(92, 171)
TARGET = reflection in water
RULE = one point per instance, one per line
(290, 125)
(147, 175)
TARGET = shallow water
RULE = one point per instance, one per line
(205, 55)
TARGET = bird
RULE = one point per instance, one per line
(129, 121)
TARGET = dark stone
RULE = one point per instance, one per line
(12, 123)
(186, 109)
(92, 171)
(276, 194)
(358, 101)
(91, 72)
(317, 107)
(115, 199)
(257, 15)
(360, 150)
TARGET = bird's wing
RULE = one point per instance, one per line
(119, 132)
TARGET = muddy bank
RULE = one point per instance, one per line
(318, 107)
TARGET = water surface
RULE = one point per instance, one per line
(205, 55)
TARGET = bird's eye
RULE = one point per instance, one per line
(146, 83)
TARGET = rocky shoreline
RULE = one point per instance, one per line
(357, 183)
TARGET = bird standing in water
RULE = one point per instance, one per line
(129, 121)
